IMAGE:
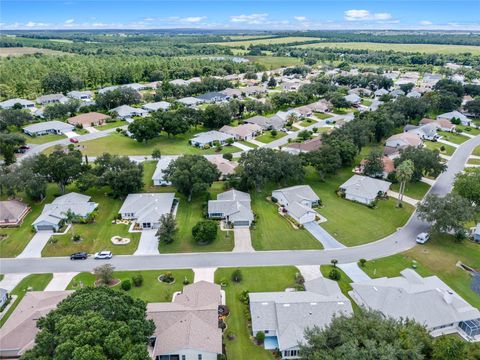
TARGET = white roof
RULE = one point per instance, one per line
(189, 100)
(127, 110)
(162, 164)
(232, 203)
(452, 114)
(11, 102)
(210, 136)
(365, 186)
(148, 207)
(164, 105)
(295, 195)
(56, 125)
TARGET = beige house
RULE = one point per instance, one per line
(12, 212)
(242, 132)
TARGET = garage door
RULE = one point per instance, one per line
(241, 223)
(44, 227)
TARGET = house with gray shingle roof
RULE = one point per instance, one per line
(81, 95)
(187, 328)
(159, 105)
(284, 316)
(427, 300)
(158, 177)
(210, 138)
(25, 104)
(274, 122)
(145, 209)
(48, 127)
(190, 101)
(455, 115)
(127, 112)
(213, 97)
(353, 98)
(233, 206)
(52, 99)
(364, 189)
(298, 202)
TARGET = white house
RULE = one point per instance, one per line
(145, 209)
(455, 115)
(25, 104)
(179, 82)
(210, 138)
(52, 99)
(364, 189)
(81, 95)
(48, 127)
(298, 202)
(127, 112)
(190, 101)
(160, 105)
(158, 175)
(353, 98)
(242, 132)
(232, 206)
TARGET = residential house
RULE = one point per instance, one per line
(254, 90)
(426, 300)
(3, 299)
(455, 115)
(284, 316)
(392, 74)
(127, 113)
(24, 104)
(298, 201)
(226, 167)
(88, 119)
(145, 209)
(197, 79)
(179, 82)
(353, 99)
(304, 147)
(388, 167)
(188, 327)
(361, 92)
(364, 189)
(233, 206)
(274, 122)
(414, 94)
(213, 97)
(232, 93)
(466, 99)
(48, 127)
(425, 132)
(442, 124)
(396, 93)
(476, 233)
(19, 331)
(12, 212)
(243, 132)
(155, 106)
(210, 138)
(54, 214)
(429, 80)
(158, 175)
(397, 142)
(190, 101)
(381, 92)
(52, 99)
(108, 88)
(320, 106)
(81, 95)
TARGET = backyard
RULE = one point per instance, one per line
(152, 290)
(255, 279)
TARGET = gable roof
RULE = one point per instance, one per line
(127, 110)
(88, 118)
(212, 95)
(232, 203)
(295, 195)
(403, 140)
(56, 125)
(154, 106)
(365, 186)
(162, 165)
(453, 114)
(148, 207)
(273, 122)
(241, 130)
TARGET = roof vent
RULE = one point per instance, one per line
(313, 303)
(286, 305)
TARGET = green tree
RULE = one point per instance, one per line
(374, 164)
(57, 82)
(467, 185)
(14, 117)
(205, 231)
(404, 174)
(264, 77)
(114, 98)
(144, 129)
(473, 107)
(272, 82)
(191, 174)
(94, 323)
(156, 154)
(61, 168)
(450, 348)
(167, 229)
(426, 162)
(215, 116)
(237, 275)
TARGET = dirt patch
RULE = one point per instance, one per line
(19, 51)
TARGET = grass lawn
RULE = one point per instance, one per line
(343, 283)
(152, 290)
(468, 129)
(439, 257)
(188, 214)
(249, 144)
(343, 111)
(322, 116)
(267, 137)
(110, 125)
(117, 144)
(476, 151)
(324, 129)
(275, 62)
(273, 232)
(255, 279)
(353, 223)
(43, 139)
(307, 122)
(453, 137)
(97, 235)
(16, 238)
(416, 190)
(435, 145)
(35, 282)
(366, 102)
(474, 161)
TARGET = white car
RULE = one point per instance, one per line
(103, 255)
(422, 238)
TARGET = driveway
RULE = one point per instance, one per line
(35, 246)
(71, 134)
(10, 281)
(310, 272)
(242, 146)
(148, 244)
(354, 272)
(319, 233)
(204, 274)
(91, 129)
(60, 281)
(243, 240)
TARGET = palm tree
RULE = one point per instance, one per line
(404, 174)
(70, 218)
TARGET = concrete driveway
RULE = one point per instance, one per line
(327, 240)
(310, 272)
(91, 129)
(35, 246)
(204, 274)
(10, 281)
(243, 240)
(71, 134)
(354, 272)
(148, 244)
(60, 281)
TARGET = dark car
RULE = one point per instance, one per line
(79, 256)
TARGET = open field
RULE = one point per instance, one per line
(255, 279)
(152, 290)
(278, 40)
(275, 62)
(246, 37)
(438, 256)
(421, 48)
(19, 51)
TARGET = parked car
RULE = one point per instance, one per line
(23, 149)
(422, 238)
(73, 140)
(79, 256)
(103, 255)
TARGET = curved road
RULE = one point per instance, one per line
(400, 241)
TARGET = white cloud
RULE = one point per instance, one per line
(425, 22)
(188, 19)
(69, 21)
(364, 15)
(300, 18)
(249, 19)
(32, 24)
(149, 19)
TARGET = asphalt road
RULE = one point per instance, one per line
(400, 241)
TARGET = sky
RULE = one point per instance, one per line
(242, 15)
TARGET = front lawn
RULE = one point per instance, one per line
(439, 256)
(343, 111)
(255, 279)
(468, 129)
(473, 161)
(249, 144)
(442, 148)
(415, 190)
(343, 283)
(97, 235)
(111, 125)
(152, 290)
(272, 231)
(307, 122)
(188, 214)
(366, 102)
(267, 137)
(476, 151)
(453, 137)
(43, 138)
(322, 116)
(34, 282)
(117, 144)
(353, 223)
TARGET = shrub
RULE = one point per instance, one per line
(334, 274)
(299, 279)
(76, 238)
(274, 133)
(137, 280)
(228, 156)
(363, 262)
(237, 276)
(185, 281)
(442, 148)
(260, 337)
(315, 129)
(334, 262)
(126, 285)
(205, 231)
